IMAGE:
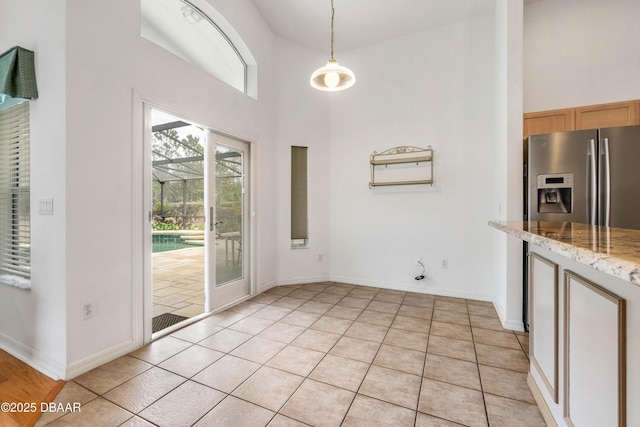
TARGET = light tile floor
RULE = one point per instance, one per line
(178, 277)
(325, 354)
(178, 282)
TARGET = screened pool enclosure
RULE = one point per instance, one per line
(177, 151)
(178, 178)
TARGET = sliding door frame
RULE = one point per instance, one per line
(142, 306)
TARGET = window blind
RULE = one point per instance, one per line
(15, 217)
(299, 221)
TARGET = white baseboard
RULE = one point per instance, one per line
(363, 282)
(266, 287)
(542, 405)
(51, 368)
(513, 325)
(302, 280)
(400, 287)
(98, 359)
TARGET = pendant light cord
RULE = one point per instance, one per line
(333, 12)
(332, 77)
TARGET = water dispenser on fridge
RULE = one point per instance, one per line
(555, 193)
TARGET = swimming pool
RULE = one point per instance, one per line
(169, 246)
(171, 240)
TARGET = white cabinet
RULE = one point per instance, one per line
(578, 343)
(543, 333)
(595, 366)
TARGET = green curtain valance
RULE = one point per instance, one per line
(18, 74)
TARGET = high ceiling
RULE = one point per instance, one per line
(360, 23)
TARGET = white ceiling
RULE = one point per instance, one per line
(360, 23)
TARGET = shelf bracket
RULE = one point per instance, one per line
(401, 155)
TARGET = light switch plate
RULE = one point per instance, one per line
(45, 206)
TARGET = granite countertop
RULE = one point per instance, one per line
(615, 251)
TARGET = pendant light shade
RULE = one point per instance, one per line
(333, 76)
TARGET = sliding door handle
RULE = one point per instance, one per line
(212, 224)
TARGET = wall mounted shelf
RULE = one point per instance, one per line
(401, 157)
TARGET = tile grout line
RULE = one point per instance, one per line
(355, 394)
(475, 352)
(291, 343)
(325, 355)
(327, 352)
(424, 364)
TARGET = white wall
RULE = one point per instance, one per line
(433, 88)
(101, 269)
(33, 322)
(101, 70)
(303, 120)
(508, 160)
(580, 52)
(93, 72)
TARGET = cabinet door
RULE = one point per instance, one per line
(595, 356)
(606, 115)
(548, 121)
(543, 332)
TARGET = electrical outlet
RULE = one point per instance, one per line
(445, 263)
(320, 257)
(87, 310)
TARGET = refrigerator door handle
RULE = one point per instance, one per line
(592, 183)
(605, 183)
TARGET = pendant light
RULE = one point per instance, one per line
(332, 77)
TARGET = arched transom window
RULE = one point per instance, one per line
(186, 31)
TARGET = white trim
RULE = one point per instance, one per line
(99, 359)
(215, 138)
(251, 78)
(265, 287)
(15, 281)
(137, 209)
(302, 280)
(231, 304)
(145, 232)
(192, 320)
(141, 325)
(171, 329)
(377, 284)
(542, 404)
(252, 253)
(33, 358)
(424, 289)
(513, 325)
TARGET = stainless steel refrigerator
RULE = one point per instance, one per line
(587, 176)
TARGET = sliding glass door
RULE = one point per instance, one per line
(228, 167)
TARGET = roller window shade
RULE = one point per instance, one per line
(299, 218)
(18, 74)
(15, 218)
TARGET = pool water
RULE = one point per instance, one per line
(169, 246)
